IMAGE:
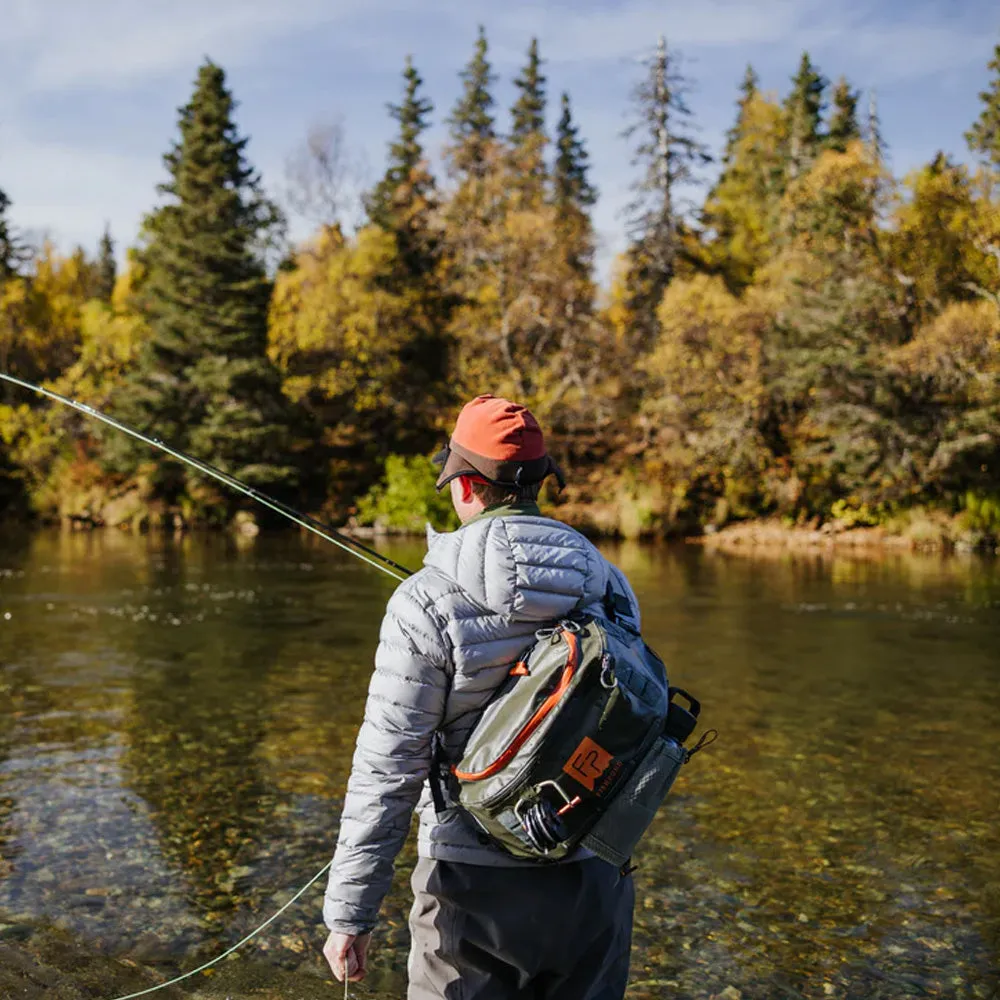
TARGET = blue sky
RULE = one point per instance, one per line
(89, 91)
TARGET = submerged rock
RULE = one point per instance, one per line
(46, 964)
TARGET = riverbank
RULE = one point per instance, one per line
(920, 531)
(928, 532)
(932, 532)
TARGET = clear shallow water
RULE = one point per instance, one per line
(177, 719)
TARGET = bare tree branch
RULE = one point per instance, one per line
(320, 175)
(990, 249)
(993, 297)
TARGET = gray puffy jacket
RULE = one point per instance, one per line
(449, 636)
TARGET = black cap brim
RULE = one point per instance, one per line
(452, 465)
(454, 461)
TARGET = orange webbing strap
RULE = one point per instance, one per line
(572, 661)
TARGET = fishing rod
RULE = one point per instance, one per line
(342, 541)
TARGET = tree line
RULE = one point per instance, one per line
(817, 340)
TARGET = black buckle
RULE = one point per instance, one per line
(618, 609)
(681, 721)
(435, 776)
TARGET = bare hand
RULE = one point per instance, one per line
(347, 955)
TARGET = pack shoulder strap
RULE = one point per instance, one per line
(434, 776)
(618, 609)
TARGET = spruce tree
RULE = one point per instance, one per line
(573, 194)
(843, 127)
(472, 125)
(984, 136)
(873, 131)
(406, 176)
(667, 154)
(527, 134)
(571, 185)
(741, 214)
(804, 107)
(749, 89)
(13, 253)
(528, 112)
(107, 268)
(6, 239)
(404, 203)
(404, 200)
(203, 379)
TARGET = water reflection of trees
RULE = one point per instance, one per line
(241, 726)
(58, 706)
(13, 697)
(18, 692)
(197, 717)
(840, 832)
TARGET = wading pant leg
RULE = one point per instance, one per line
(597, 967)
(561, 932)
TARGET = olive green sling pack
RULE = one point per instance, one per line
(578, 747)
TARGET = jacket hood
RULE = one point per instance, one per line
(526, 568)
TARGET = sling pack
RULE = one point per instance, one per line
(579, 745)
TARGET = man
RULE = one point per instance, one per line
(484, 925)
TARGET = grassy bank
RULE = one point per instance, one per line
(405, 501)
(918, 530)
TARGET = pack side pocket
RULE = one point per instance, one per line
(619, 829)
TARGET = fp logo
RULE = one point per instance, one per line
(588, 763)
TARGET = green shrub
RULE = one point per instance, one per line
(853, 515)
(640, 506)
(405, 499)
(926, 528)
(981, 513)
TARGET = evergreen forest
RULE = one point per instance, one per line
(817, 342)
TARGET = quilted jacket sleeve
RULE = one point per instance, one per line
(406, 703)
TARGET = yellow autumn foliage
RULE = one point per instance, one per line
(740, 212)
(333, 332)
(942, 226)
(836, 202)
(964, 338)
(703, 389)
(524, 326)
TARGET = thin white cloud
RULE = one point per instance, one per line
(53, 45)
(67, 43)
(70, 194)
(933, 40)
(627, 30)
(893, 53)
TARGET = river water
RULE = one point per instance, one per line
(177, 717)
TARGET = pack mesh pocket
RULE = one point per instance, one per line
(616, 833)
